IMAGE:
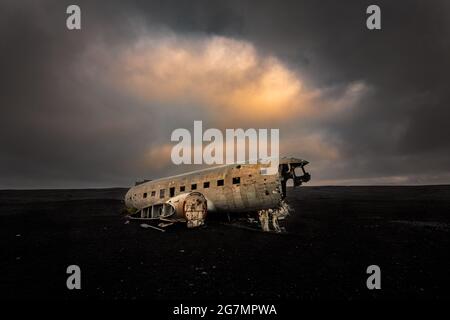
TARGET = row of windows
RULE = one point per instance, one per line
(206, 184)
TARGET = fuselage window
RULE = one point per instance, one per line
(182, 188)
(236, 180)
(145, 195)
(206, 184)
(220, 182)
(172, 191)
(194, 186)
(161, 193)
(153, 193)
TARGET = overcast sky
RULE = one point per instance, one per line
(96, 107)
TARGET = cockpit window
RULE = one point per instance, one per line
(298, 171)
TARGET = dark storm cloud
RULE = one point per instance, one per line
(61, 127)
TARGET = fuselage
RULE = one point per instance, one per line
(231, 188)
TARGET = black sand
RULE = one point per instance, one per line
(335, 234)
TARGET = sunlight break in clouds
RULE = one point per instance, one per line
(232, 85)
(221, 75)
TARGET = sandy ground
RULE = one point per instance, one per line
(334, 235)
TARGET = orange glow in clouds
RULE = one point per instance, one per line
(232, 85)
(224, 76)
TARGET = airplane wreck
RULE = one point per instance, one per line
(239, 189)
